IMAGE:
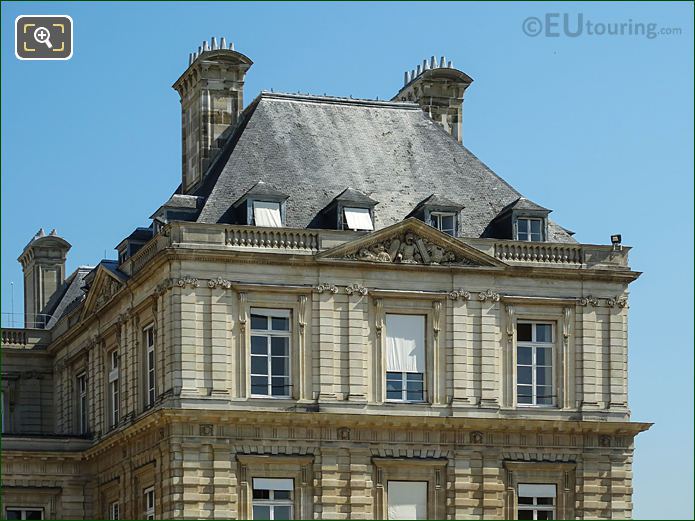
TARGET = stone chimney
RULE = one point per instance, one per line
(438, 88)
(43, 264)
(212, 97)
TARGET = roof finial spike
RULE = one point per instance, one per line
(451, 64)
(206, 47)
(442, 62)
(40, 233)
(213, 43)
(425, 65)
(405, 78)
(200, 49)
(433, 62)
(223, 43)
(231, 46)
(53, 233)
(419, 70)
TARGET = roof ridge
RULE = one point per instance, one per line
(339, 100)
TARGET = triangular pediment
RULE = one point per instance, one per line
(104, 287)
(410, 242)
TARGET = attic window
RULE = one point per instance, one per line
(444, 222)
(358, 219)
(529, 229)
(266, 213)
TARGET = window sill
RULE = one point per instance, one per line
(536, 406)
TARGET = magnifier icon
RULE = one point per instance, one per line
(43, 35)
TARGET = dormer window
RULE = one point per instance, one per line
(358, 219)
(440, 213)
(528, 229)
(267, 213)
(444, 222)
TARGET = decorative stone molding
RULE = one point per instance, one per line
(459, 294)
(219, 282)
(476, 437)
(163, 287)
(108, 288)
(356, 289)
(302, 313)
(510, 324)
(325, 286)
(619, 301)
(344, 433)
(379, 315)
(604, 441)
(243, 312)
(436, 317)
(588, 300)
(490, 295)
(205, 429)
(407, 247)
(188, 281)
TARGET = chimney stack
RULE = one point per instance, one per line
(438, 89)
(212, 97)
(43, 264)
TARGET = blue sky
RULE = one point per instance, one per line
(598, 128)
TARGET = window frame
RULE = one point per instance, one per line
(534, 507)
(528, 220)
(344, 220)
(269, 334)
(424, 373)
(427, 494)
(149, 511)
(82, 407)
(534, 344)
(113, 386)
(438, 216)
(150, 367)
(114, 510)
(251, 214)
(271, 502)
(24, 510)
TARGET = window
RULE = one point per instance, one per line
(272, 498)
(267, 214)
(529, 230)
(150, 376)
(407, 500)
(445, 222)
(358, 219)
(113, 388)
(114, 510)
(405, 357)
(5, 410)
(534, 359)
(149, 503)
(23, 513)
(536, 501)
(82, 403)
(270, 352)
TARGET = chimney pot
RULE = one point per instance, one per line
(405, 78)
(231, 46)
(442, 62)
(451, 64)
(213, 43)
(419, 70)
(205, 46)
(223, 43)
(425, 65)
(433, 62)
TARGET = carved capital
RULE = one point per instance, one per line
(510, 322)
(588, 300)
(356, 289)
(436, 316)
(325, 286)
(243, 312)
(188, 281)
(566, 322)
(490, 295)
(459, 294)
(302, 312)
(617, 301)
(379, 309)
(219, 282)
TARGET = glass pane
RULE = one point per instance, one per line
(415, 388)
(281, 324)
(523, 394)
(544, 333)
(434, 221)
(544, 356)
(525, 500)
(261, 512)
(281, 386)
(280, 366)
(544, 376)
(259, 365)
(283, 512)
(523, 332)
(259, 385)
(544, 395)
(278, 346)
(259, 322)
(33, 514)
(544, 501)
(524, 375)
(259, 345)
(283, 494)
(13, 514)
(522, 225)
(448, 223)
(523, 355)
(523, 514)
(261, 493)
(535, 226)
(545, 514)
(536, 237)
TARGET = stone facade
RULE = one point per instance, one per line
(141, 400)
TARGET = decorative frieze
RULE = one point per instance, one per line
(460, 293)
(326, 287)
(490, 295)
(588, 300)
(188, 281)
(356, 289)
(219, 282)
(619, 301)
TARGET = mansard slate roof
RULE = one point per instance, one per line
(313, 147)
(66, 298)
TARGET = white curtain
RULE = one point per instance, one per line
(405, 343)
(358, 219)
(273, 484)
(407, 500)
(536, 490)
(267, 214)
